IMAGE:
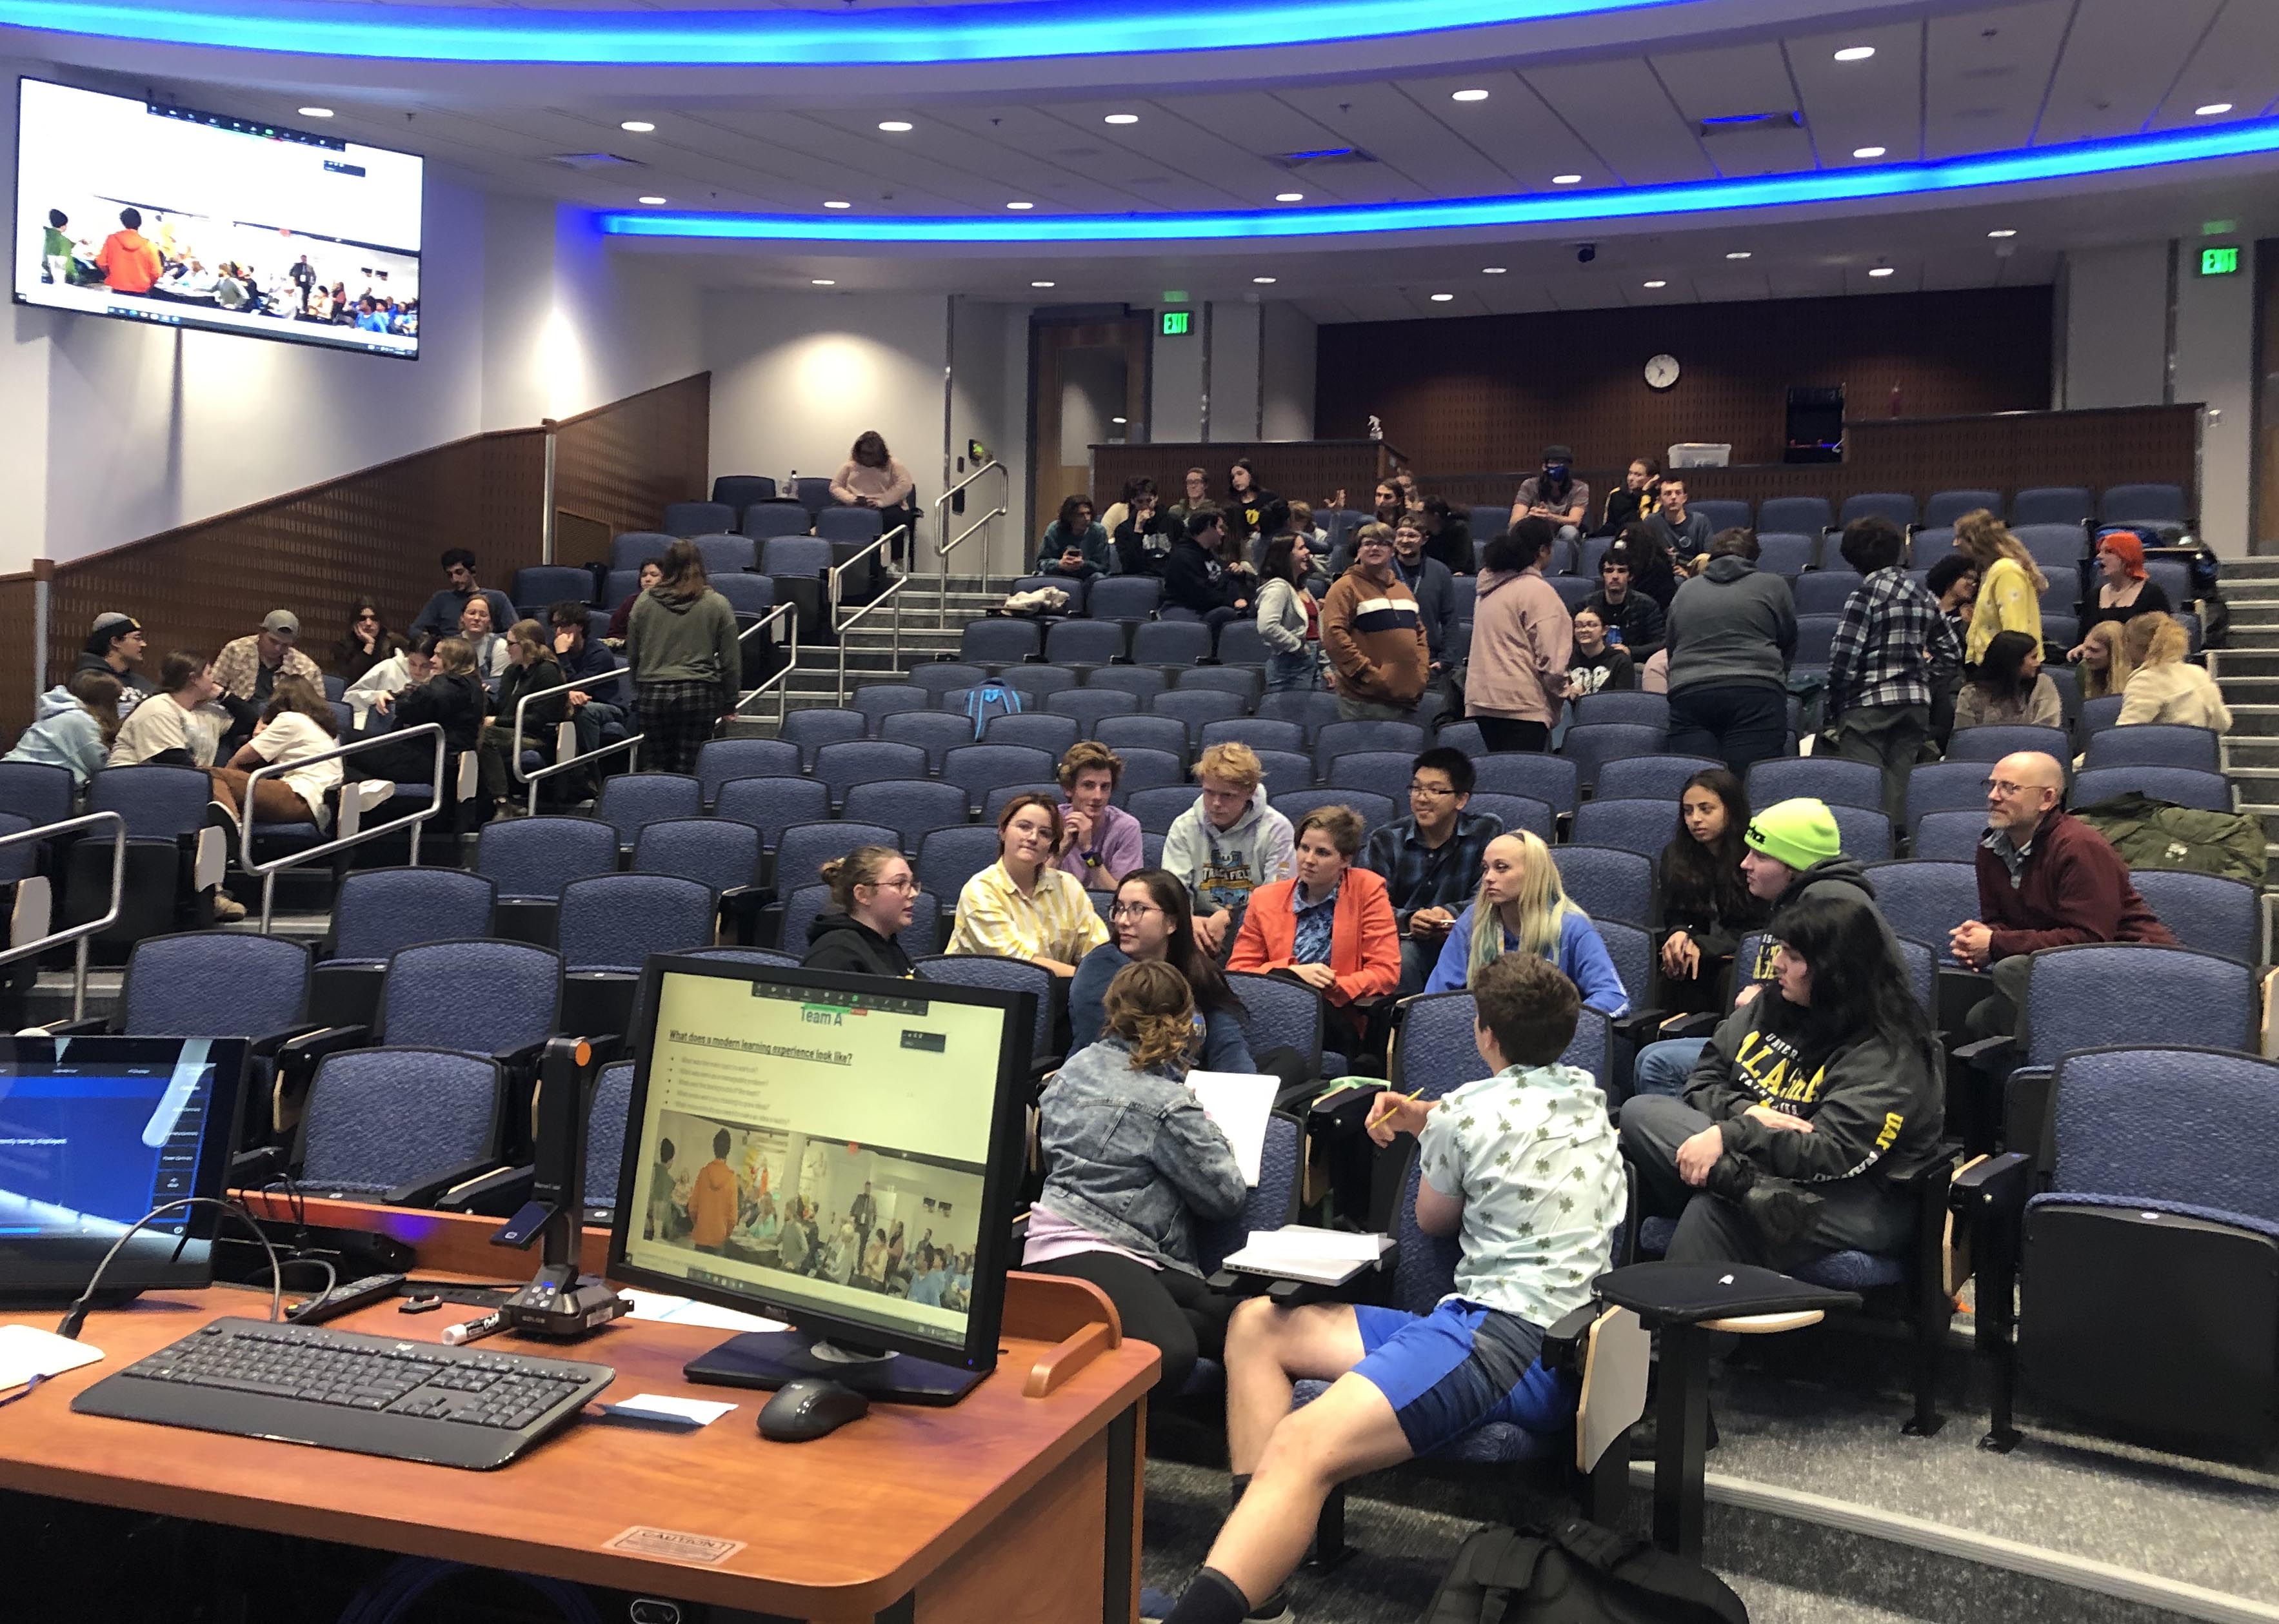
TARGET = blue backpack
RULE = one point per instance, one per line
(986, 699)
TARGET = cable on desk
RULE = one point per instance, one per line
(75, 1316)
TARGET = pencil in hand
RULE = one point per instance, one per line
(1385, 1116)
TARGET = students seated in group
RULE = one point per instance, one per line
(482, 635)
(871, 890)
(687, 662)
(1496, 1157)
(870, 478)
(1894, 651)
(1707, 904)
(1430, 860)
(1632, 619)
(2009, 687)
(1022, 907)
(1954, 580)
(652, 571)
(2164, 686)
(115, 646)
(1373, 635)
(443, 612)
(1809, 1101)
(1101, 842)
(297, 726)
(1069, 565)
(594, 703)
(1521, 907)
(1074, 528)
(2046, 879)
(1194, 494)
(367, 644)
(1433, 587)
(1556, 495)
(1151, 920)
(1229, 843)
(2106, 667)
(73, 726)
(448, 694)
(2125, 590)
(1731, 633)
(1448, 536)
(1247, 505)
(1595, 665)
(1132, 1162)
(1684, 533)
(1793, 855)
(1330, 924)
(407, 667)
(1139, 528)
(1635, 499)
(531, 670)
(1289, 617)
(1523, 640)
(2010, 583)
(248, 667)
(1196, 578)
(185, 731)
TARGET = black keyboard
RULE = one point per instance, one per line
(341, 1389)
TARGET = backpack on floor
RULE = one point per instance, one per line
(1578, 1572)
(987, 700)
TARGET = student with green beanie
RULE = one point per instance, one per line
(1794, 852)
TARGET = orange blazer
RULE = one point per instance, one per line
(1364, 941)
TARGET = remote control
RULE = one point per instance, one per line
(342, 1298)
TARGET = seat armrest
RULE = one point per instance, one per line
(254, 1169)
(94, 1026)
(426, 1191)
(1642, 1026)
(1343, 1113)
(1987, 1053)
(307, 1047)
(1703, 1024)
(267, 1047)
(1995, 1184)
(496, 1191)
(1565, 1342)
(528, 1055)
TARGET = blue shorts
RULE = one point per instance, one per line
(1461, 1366)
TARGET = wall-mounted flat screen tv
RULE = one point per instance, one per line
(153, 212)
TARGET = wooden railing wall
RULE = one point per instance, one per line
(617, 466)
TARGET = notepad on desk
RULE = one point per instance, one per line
(1239, 1102)
(1299, 1251)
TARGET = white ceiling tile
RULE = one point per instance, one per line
(1265, 127)
(1513, 128)
(1167, 160)
(1405, 138)
(1985, 74)
(2118, 63)
(1728, 282)
(2237, 61)
(1727, 80)
(1623, 112)
(1877, 103)
(1805, 280)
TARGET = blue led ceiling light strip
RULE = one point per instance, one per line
(982, 33)
(1757, 191)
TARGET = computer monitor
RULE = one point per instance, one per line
(95, 1131)
(773, 1110)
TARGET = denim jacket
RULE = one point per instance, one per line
(1130, 1154)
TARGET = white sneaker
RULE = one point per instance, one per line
(372, 793)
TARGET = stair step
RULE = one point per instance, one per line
(2254, 720)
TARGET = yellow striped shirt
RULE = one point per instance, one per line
(995, 921)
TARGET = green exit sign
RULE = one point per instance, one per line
(2219, 261)
(1176, 323)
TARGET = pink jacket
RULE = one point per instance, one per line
(1521, 635)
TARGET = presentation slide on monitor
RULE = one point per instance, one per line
(157, 214)
(89, 1151)
(819, 1148)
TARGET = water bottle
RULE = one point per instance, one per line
(1614, 637)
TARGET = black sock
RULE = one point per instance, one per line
(1237, 1487)
(1212, 1598)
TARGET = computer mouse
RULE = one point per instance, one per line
(812, 1407)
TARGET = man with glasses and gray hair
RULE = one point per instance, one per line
(1430, 860)
(2046, 879)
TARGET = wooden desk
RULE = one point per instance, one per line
(1003, 1509)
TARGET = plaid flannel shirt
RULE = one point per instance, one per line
(1894, 644)
(1415, 876)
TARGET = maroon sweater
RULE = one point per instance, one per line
(2074, 888)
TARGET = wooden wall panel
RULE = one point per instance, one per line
(18, 634)
(618, 465)
(1309, 470)
(376, 532)
(1490, 392)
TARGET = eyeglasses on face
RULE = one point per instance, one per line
(905, 883)
(1437, 791)
(1134, 911)
(2004, 787)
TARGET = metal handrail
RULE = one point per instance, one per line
(629, 745)
(79, 933)
(839, 628)
(781, 683)
(948, 543)
(269, 871)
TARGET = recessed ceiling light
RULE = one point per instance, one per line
(1738, 254)
(1882, 270)
(895, 126)
(1855, 53)
(1289, 197)
(2211, 109)
(316, 112)
(1040, 284)
(1492, 269)
(1263, 281)
(1442, 298)
(1566, 180)
(652, 201)
(1657, 282)
(1867, 152)
(838, 204)
(1468, 95)
(638, 126)
(1121, 118)
(2006, 231)
(1020, 205)
(822, 282)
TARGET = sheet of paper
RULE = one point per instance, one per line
(1239, 1102)
(686, 1311)
(1298, 1252)
(27, 1351)
(702, 1412)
